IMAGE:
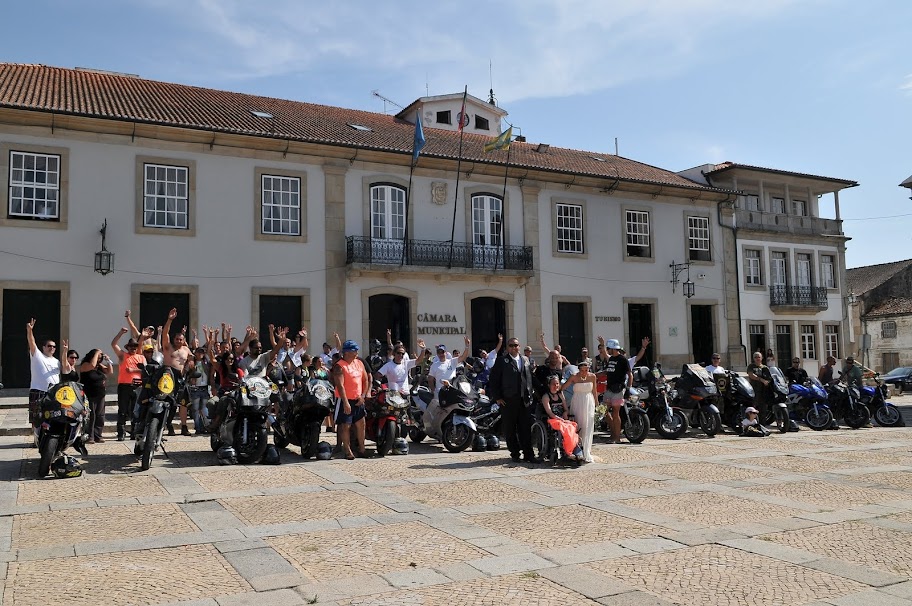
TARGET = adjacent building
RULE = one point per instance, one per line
(881, 314)
(252, 210)
(789, 261)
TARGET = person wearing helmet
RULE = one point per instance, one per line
(352, 388)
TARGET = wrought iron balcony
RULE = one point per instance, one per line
(432, 253)
(799, 296)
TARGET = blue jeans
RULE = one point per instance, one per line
(198, 398)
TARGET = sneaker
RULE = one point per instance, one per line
(185, 431)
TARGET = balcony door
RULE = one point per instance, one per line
(803, 266)
(387, 223)
(487, 231)
(778, 269)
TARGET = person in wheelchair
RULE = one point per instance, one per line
(556, 415)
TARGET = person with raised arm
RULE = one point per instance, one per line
(45, 371)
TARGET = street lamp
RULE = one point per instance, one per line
(104, 259)
(676, 269)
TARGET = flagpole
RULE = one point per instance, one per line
(461, 117)
(408, 197)
(503, 203)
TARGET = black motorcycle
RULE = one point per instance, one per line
(846, 404)
(668, 421)
(696, 395)
(156, 400)
(244, 426)
(735, 393)
(63, 415)
(301, 418)
(634, 418)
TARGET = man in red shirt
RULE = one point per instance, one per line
(352, 387)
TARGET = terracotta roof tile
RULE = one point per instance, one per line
(732, 165)
(123, 97)
(862, 279)
(891, 307)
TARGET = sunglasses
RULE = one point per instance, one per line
(513, 345)
(72, 357)
(50, 346)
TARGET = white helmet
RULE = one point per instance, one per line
(612, 344)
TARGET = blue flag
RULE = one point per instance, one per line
(420, 141)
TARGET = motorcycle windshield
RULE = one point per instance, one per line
(818, 388)
(320, 389)
(743, 385)
(258, 392)
(780, 383)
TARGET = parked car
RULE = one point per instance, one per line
(900, 378)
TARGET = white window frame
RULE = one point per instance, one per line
(804, 276)
(281, 201)
(828, 271)
(568, 221)
(33, 182)
(808, 341)
(698, 243)
(166, 195)
(888, 329)
(831, 340)
(799, 208)
(752, 203)
(387, 203)
(637, 230)
(777, 205)
(753, 273)
(778, 268)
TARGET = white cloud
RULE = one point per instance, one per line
(539, 48)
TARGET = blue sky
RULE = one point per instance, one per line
(815, 86)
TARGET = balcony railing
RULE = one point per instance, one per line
(792, 224)
(432, 253)
(799, 296)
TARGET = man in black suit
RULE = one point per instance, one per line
(510, 385)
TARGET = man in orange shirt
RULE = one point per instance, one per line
(129, 374)
(352, 387)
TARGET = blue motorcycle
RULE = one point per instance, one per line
(884, 412)
(811, 399)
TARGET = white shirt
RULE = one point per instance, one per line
(295, 356)
(712, 368)
(490, 359)
(328, 357)
(442, 371)
(256, 367)
(397, 374)
(518, 361)
(45, 371)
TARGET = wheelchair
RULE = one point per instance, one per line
(547, 443)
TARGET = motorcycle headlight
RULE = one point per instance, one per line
(465, 388)
(321, 392)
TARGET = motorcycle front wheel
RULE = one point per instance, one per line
(637, 426)
(818, 418)
(48, 450)
(416, 435)
(710, 423)
(858, 417)
(153, 427)
(673, 428)
(456, 437)
(386, 439)
(888, 416)
(253, 451)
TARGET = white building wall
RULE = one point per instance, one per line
(223, 259)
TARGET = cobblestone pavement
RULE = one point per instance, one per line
(810, 518)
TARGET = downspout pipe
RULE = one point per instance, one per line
(734, 228)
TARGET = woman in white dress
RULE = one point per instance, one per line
(582, 406)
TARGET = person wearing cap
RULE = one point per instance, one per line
(852, 373)
(129, 376)
(617, 376)
(443, 368)
(750, 425)
(352, 388)
(582, 406)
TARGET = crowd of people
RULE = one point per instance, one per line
(213, 361)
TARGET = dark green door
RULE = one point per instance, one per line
(20, 306)
(571, 329)
(639, 317)
(154, 308)
(489, 318)
(280, 311)
(702, 334)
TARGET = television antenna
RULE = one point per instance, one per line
(386, 101)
